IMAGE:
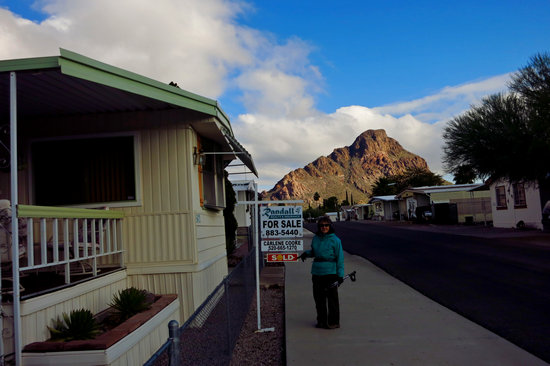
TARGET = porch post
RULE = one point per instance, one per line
(14, 219)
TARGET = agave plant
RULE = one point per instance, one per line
(79, 324)
(131, 301)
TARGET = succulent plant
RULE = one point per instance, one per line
(131, 301)
(79, 324)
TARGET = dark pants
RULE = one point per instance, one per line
(324, 296)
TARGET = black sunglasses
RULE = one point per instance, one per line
(324, 225)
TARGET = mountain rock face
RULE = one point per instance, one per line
(348, 170)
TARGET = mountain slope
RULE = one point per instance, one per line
(352, 169)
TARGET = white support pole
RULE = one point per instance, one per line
(14, 220)
(257, 244)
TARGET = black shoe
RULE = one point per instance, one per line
(333, 326)
(322, 326)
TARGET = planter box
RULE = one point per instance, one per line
(109, 347)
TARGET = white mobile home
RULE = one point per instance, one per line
(385, 207)
(113, 171)
(516, 205)
(244, 190)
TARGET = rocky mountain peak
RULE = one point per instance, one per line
(351, 169)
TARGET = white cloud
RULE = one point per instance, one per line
(196, 43)
(282, 81)
(448, 102)
(416, 124)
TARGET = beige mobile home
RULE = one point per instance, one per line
(111, 180)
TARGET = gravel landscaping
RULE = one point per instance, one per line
(263, 348)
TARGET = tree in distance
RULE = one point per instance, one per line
(414, 177)
(464, 175)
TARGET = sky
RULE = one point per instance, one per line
(301, 78)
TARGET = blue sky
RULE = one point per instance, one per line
(298, 78)
(376, 53)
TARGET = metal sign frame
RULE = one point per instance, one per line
(256, 232)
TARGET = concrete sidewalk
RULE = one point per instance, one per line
(385, 322)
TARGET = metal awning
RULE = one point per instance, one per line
(241, 153)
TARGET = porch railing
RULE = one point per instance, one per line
(69, 237)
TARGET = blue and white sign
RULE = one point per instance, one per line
(281, 222)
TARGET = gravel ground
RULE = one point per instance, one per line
(263, 348)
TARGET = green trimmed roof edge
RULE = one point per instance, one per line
(29, 64)
(83, 67)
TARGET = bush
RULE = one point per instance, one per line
(78, 325)
(130, 302)
(230, 221)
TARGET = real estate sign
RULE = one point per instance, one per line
(280, 226)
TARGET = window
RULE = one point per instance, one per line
(212, 176)
(84, 171)
(501, 196)
(519, 195)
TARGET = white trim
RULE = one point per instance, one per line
(102, 357)
(17, 340)
(44, 301)
(126, 343)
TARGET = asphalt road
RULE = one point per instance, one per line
(500, 286)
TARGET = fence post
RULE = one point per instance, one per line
(174, 339)
(228, 314)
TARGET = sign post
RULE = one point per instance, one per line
(256, 234)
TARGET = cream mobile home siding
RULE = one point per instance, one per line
(170, 240)
(173, 244)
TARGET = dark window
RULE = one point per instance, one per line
(519, 195)
(501, 196)
(212, 175)
(84, 171)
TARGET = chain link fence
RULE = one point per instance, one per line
(210, 334)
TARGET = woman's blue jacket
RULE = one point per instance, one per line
(329, 255)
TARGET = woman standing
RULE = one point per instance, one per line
(327, 268)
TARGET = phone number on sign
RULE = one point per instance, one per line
(282, 248)
(275, 233)
(282, 245)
